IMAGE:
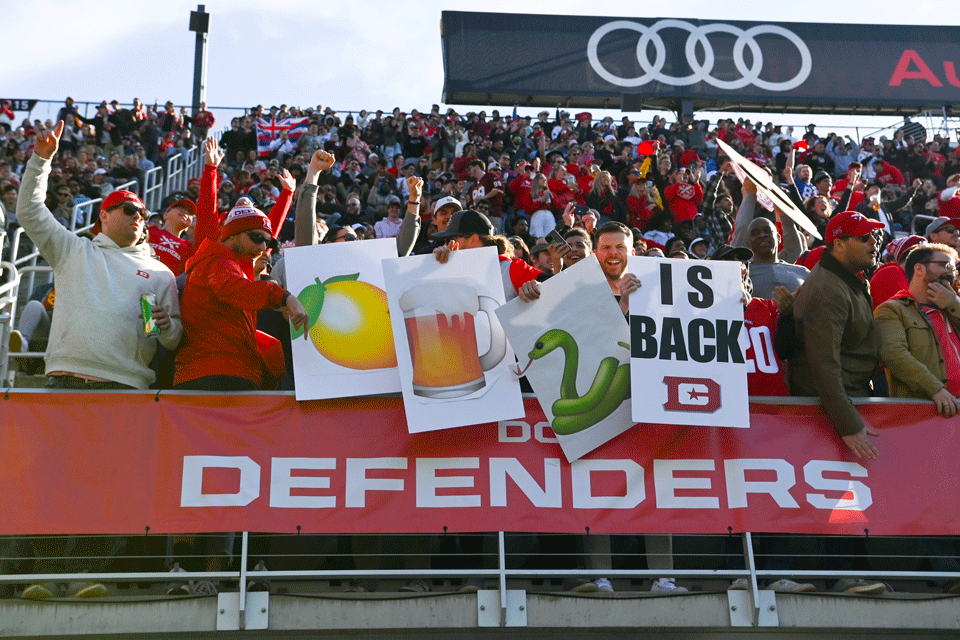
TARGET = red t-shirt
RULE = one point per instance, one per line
(487, 183)
(170, 250)
(765, 373)
(949, 208)
(684, 198)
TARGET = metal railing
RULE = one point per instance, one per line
(153, 188)
(498, 560)
(9, 287)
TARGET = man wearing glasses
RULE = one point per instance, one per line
(944, 231)
(918, 331)
(97, 339)
(833, 312)
(222, 350)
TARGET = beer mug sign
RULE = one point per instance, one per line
(440, 321)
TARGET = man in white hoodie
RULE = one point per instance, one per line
(97, 339)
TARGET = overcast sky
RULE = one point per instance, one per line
(346, 54)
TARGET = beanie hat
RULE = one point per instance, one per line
(244, 218)
(898, 248)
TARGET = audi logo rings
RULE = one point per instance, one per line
(701, 72)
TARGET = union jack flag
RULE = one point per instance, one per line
(269, 130)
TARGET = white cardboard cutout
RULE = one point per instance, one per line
(583, 325)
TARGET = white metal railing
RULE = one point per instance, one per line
(500, 564)
(153, 187)
(180, 168)
(29, 272)
(9, 288)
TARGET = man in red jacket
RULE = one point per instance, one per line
(220, 301)
(685, 194)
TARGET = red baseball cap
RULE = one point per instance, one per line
(184, 203)
(119, 197)
(850, 223)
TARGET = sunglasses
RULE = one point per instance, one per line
(945, 265)
(870, 237)
(131, 210)
(347, 237)
(257, 238)
(950, 230)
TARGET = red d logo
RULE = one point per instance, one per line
(691, 394)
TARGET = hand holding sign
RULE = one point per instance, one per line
(687, 361)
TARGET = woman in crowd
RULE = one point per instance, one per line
(603, 198)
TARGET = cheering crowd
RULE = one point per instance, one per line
(546, 190)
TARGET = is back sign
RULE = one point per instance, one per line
(687, 363)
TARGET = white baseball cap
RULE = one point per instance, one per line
(442, 202)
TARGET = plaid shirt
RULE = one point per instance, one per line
(719, 223)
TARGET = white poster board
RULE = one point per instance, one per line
(573, 346)
(687, 360)
(452, 354)
(348, 351)
(768, 190)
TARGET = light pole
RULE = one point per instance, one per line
(200, 22)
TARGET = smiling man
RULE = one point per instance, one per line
(614, 247)
(97, 339)
(767, 270)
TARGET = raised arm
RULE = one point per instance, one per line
(208, 220)
(50, 237)
(305, 223)
(745, 214)
(410, 227)
(278, 213)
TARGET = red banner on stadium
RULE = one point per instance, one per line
(118, 463)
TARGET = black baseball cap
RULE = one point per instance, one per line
(467, 223)
(726, 252)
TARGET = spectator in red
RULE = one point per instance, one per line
(684, 194)
(641, 204)
(949, 199)
(471, 230)
(765, 371)
(203, 121)
(887, 173)
(537, 197)
(168, 243)
(852, 182)
(520, 185)
(563, 188)
(220, 300)
(486, 186)
(890, 278)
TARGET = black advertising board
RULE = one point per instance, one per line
(606, 62)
